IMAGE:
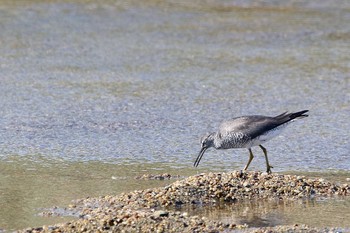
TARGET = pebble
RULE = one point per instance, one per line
(165, 176)
(161, 213)
(144, 210)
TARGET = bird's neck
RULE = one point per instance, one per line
(216, 142)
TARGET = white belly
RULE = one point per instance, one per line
(266, 137)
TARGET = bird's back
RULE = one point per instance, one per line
(240, 131)
(251, 126)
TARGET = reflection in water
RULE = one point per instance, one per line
(263, 213)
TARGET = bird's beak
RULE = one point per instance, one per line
(200, 156)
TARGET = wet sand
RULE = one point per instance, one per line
(159, 209)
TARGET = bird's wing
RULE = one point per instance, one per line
(251, 126)
(254, 126)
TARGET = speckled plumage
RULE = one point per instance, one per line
(247, 132)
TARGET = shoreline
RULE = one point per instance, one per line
(146, 210)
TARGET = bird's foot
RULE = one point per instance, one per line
(269, 169)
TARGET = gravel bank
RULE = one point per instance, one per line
(143, 211)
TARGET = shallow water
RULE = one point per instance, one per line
(262, 213)
(92, 90)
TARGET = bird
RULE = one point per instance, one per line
(247, 132)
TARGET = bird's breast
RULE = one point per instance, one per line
(231, 140)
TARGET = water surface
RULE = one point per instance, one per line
(263, 213)
(91, 90)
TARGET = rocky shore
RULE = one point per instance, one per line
(148, 210)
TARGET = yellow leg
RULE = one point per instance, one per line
(268, 166)
(251, 156)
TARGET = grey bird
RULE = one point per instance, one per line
(247, 132)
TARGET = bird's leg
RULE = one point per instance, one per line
(251, 156)
(268, 166)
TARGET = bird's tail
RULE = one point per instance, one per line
(286, 117)
(299, 114)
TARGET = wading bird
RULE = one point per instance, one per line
(247, 132)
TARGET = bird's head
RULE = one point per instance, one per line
(207, 141)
